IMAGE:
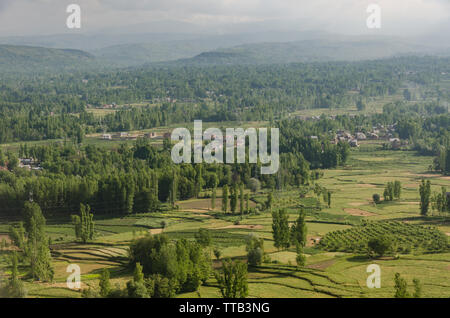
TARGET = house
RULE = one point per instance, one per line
(353, 143)
(360, 136)
(395, 143)
(150, 135)
(373, 136)
(315, 137)
(106, 137)
(132, 137)
(26, 161)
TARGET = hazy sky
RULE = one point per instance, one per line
(399, 17)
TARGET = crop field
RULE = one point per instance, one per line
(335, 260)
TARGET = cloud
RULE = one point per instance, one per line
(404, 17)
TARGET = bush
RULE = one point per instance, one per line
(380, 245)
(255, 256)
(184, 264)
(300, 259)
(376, 198)
(254, 184)
(255, 250)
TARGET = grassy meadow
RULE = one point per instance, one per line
(326, 274)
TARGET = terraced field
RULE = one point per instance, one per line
(329, 272)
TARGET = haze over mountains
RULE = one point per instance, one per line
(79, 51)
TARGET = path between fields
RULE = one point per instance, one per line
(358, 212)
(322, 265)
(155, 231)
(241, 226)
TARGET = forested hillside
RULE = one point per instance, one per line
(29, 60)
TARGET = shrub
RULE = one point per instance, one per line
(255, 256)
(255, 249)
(184, 264)
(376, 198)
(300, 259)
(380, 245)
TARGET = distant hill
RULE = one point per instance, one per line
(26, 59)
(172, 47)
(308, 51)
(115, 49)
(136, 54)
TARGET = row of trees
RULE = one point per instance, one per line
(285, 236)
(237, 196)
(392, 191)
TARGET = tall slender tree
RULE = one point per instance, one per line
(299, 230)
(425, 192)
(84, 224)
(241, 198)
(225, 198)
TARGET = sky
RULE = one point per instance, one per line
(398, 17)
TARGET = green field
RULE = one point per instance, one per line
(328, 273)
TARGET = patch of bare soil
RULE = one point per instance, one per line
(313, 240)
(366, 185)
(322, 265)
(357, 203)
(155, 231)
(5, 237)
(196, 210)
(411, 203)
(448, 234)
(241, 226)
(9, 242)
(358, 212)
(425, 175)
(61, 285)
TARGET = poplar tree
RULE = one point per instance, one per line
(37, 247)
(269, 201)
(15, 287)
(105, 284)
(400, 287)
(280, 229)
(214, 193)
(241, 198)
(329, 199)
(225, 198)
(247, 199)
(233, 200)
(397, 189)
(173, 189)
(84, 224)
(299, 231)
(425, 192)
(232, 279)
(154, 178)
